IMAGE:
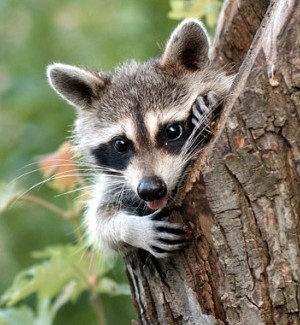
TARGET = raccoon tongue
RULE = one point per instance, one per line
(157, 204)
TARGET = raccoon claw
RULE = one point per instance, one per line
(169, 238)
(202, 108)
(167, 250)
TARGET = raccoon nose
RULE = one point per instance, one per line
(152, 188)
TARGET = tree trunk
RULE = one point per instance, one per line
(241, 202)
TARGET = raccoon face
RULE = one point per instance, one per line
(136, 122)
(150, 155)
(143, 136)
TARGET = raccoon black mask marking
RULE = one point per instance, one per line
(138, 128)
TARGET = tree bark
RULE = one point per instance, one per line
(241, 201)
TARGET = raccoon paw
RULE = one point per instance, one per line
(160, 238)
(169, 238)
(203, 108)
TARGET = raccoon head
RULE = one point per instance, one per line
(136, 122)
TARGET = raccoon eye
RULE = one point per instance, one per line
(121, 144)
(174, 131)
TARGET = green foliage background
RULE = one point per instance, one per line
(34, 121)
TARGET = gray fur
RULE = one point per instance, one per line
(108, 105)
(188, 46)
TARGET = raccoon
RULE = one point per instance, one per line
(139, 128)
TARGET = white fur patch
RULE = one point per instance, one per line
(129, 130)
(92, 139)
(176, 113)
(152, 122)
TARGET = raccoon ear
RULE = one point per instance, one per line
(188, 46)
(77, 86)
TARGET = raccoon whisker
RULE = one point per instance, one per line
(28, 165)
(84, 164)
(115, 187)
(80, 174)
(72, 170)
(69, 174)
(35, 170)
(79, 189)
(115, 176)
(118, 197)
(196, 134)
(194, 141)
(79, 169)
(93, 165)
(125, 194)
(116, 191)
(110, 171)
(188, 155)
(101, 169)
(57, 166)
(172, 198)
(53, 177)
(78, 166)
(24, 175)
(191, 152)
(28, 190)
(141, 203)
(97, 168)
(120, 191)
(117, 181)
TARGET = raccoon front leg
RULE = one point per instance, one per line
(203, 109)
(112, 230)
(160, 238)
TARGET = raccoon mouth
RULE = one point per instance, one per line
(157, 204)
(153, 191)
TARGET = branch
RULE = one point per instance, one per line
(237, 89)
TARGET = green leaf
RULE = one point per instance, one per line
(17, 316)
(45, 314)
(9, 192)
(65, 296)
(60, 266)
(109, 286)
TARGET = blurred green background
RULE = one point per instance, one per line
(33, 120)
